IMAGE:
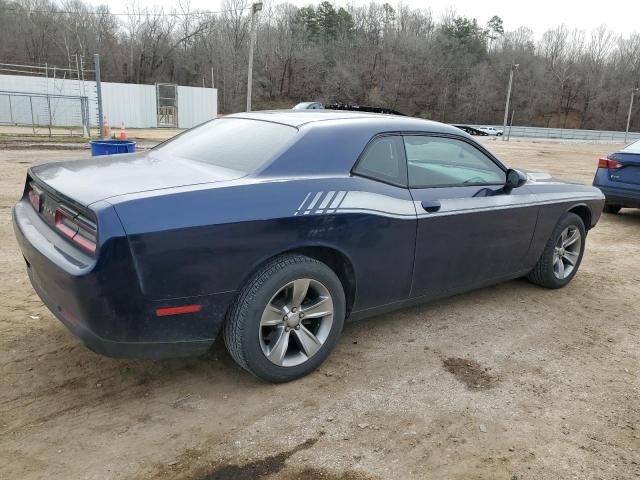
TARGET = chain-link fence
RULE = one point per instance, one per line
(47, 98)
(44, 112)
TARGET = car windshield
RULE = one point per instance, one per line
(234, 143)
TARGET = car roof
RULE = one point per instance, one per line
(331, 140)
(299, 118)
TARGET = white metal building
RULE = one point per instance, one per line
(138, 106)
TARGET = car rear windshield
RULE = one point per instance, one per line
(633, 148)
(233, 143)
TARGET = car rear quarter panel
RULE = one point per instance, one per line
(103, 292)
(210, 240)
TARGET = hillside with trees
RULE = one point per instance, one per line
(451, 69)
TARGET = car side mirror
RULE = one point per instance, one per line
(515, 179)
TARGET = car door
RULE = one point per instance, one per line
(382, 224)
(470, 230)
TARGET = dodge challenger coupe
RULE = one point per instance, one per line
(272, 228)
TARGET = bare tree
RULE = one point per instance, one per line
(386, 54)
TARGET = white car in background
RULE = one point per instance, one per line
(497, 132)
(309, 106)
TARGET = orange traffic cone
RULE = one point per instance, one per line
(105, 127)
(123, 133)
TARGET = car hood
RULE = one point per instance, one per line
(100, 178)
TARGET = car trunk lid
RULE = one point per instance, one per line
(628, 168)
(100, 178)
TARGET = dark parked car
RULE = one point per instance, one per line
(618, 176)
(346, 106)
(472, 131)
(363, 108)
(275, 227)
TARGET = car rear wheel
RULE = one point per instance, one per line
(287, 319)
(608, 208)
(562, 255)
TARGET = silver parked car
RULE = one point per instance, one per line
(496, 132)
(308, 106)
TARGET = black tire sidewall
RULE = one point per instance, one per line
(257, 362)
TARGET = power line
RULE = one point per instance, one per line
(128, 14)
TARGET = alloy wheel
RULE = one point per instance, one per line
(296, 322)
(567, 252)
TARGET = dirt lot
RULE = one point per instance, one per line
(509, 382)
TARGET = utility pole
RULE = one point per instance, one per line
(96, 61)
(255, 8)
(513, 112)
(626, 133)
(514, 67)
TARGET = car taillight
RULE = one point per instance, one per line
(605, 162)
(35, 198)
(78, 228)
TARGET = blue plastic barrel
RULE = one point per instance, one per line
(111, 147)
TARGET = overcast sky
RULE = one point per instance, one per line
(620, 15)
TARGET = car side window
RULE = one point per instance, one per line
(448, 162)
(384, 160)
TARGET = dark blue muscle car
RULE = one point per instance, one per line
(272, 228)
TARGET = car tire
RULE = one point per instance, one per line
(548, 272)
(255, 336)
(613, 209)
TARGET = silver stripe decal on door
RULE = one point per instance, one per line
(314, 201)
(326, 200)
(456, 206)
(378, 204)
(337, 201)
(303, 202)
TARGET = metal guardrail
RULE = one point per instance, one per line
(568, 134)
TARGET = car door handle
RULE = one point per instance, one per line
(431, 206)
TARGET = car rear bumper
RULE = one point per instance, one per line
(101, 302)
(119, 349)
(620, 196)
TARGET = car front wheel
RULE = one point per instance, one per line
(562, 255)
(287, 319)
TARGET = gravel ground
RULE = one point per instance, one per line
(508, 382)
